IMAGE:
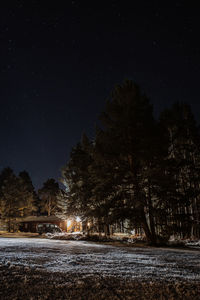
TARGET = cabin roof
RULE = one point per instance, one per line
(41, 219)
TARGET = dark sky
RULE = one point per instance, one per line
(59, 60)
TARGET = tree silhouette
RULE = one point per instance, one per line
(48, 197)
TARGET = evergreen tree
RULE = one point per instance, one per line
(9, 198)
(130, 138)
(62, 201)
(17, 197)
(28, 199)
(184, 151)
(110, 178)
(76, 178)
(6, 172)
(48, 197)
(137, 168)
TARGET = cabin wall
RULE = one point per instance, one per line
(32, 225)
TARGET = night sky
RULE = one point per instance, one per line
(59, 60)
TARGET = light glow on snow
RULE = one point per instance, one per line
(91, 258)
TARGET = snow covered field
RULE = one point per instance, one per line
(88, 259)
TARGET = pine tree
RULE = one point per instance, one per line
(129, 131)
(138, 168)
(9, 198)
(110, 178)
(184, 151)
(76, 178)
(48, 197)
(62, 202)
(28, 199)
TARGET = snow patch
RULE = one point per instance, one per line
(88, 259)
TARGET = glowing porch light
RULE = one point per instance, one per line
(78, 219)
(69, 223)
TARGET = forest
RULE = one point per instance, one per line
(18, 198)
(140, 171)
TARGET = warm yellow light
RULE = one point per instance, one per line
(88, 224)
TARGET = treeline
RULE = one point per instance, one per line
(18, 198)
(138, 169)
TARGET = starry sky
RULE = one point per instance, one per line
(59, 61)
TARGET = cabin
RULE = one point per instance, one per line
(29, 224)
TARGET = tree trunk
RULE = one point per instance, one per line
(151, 217)
(49, 208)
(99, 227)
(106, 230)
(149, 236)
(9, 225)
